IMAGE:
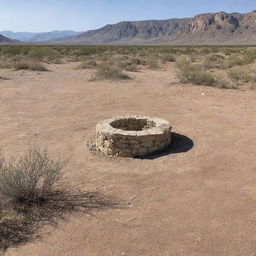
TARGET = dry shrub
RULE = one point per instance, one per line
(240, 74)
(167, 58)
(128, 66)
(234, 60)
(29, 198)
(32, 65)
(44, 53)
(214, 61)
(153, 62)
(108, 70)
(138, 61)
(6, 63)
(195, 74)
(245, 58)
(87, 64)
(189, 73)
(29, 178)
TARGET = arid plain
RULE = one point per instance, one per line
(195, 199)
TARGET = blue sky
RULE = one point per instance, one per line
(82, 15)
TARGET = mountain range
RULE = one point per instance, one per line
(4, 39)
(209, 28)
(38, 37)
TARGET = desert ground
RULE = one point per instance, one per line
(196, 199)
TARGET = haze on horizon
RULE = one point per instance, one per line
(82, 15)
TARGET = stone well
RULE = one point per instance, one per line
(131, 136)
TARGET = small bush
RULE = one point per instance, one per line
(32, 65)
(29, 178)
(214, 61)
(167, 58)
(21, 65)
(249, 56)
(138, 61)
(108, 70)
(234, 60)
(189, 73)
(240, 74)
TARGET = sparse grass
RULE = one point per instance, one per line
(109, 71)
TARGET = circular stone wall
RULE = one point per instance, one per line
(130, 136)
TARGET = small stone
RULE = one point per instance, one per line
(107, 143)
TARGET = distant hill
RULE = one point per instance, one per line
(4, 39)
(22, 36)
(209, 28)
(38, 37)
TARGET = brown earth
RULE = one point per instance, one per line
(198, 202)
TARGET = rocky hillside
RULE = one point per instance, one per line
(209, 28)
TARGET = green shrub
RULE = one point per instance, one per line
(30, 177)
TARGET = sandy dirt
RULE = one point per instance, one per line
(197, 199)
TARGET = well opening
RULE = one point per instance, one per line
(133, 124)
